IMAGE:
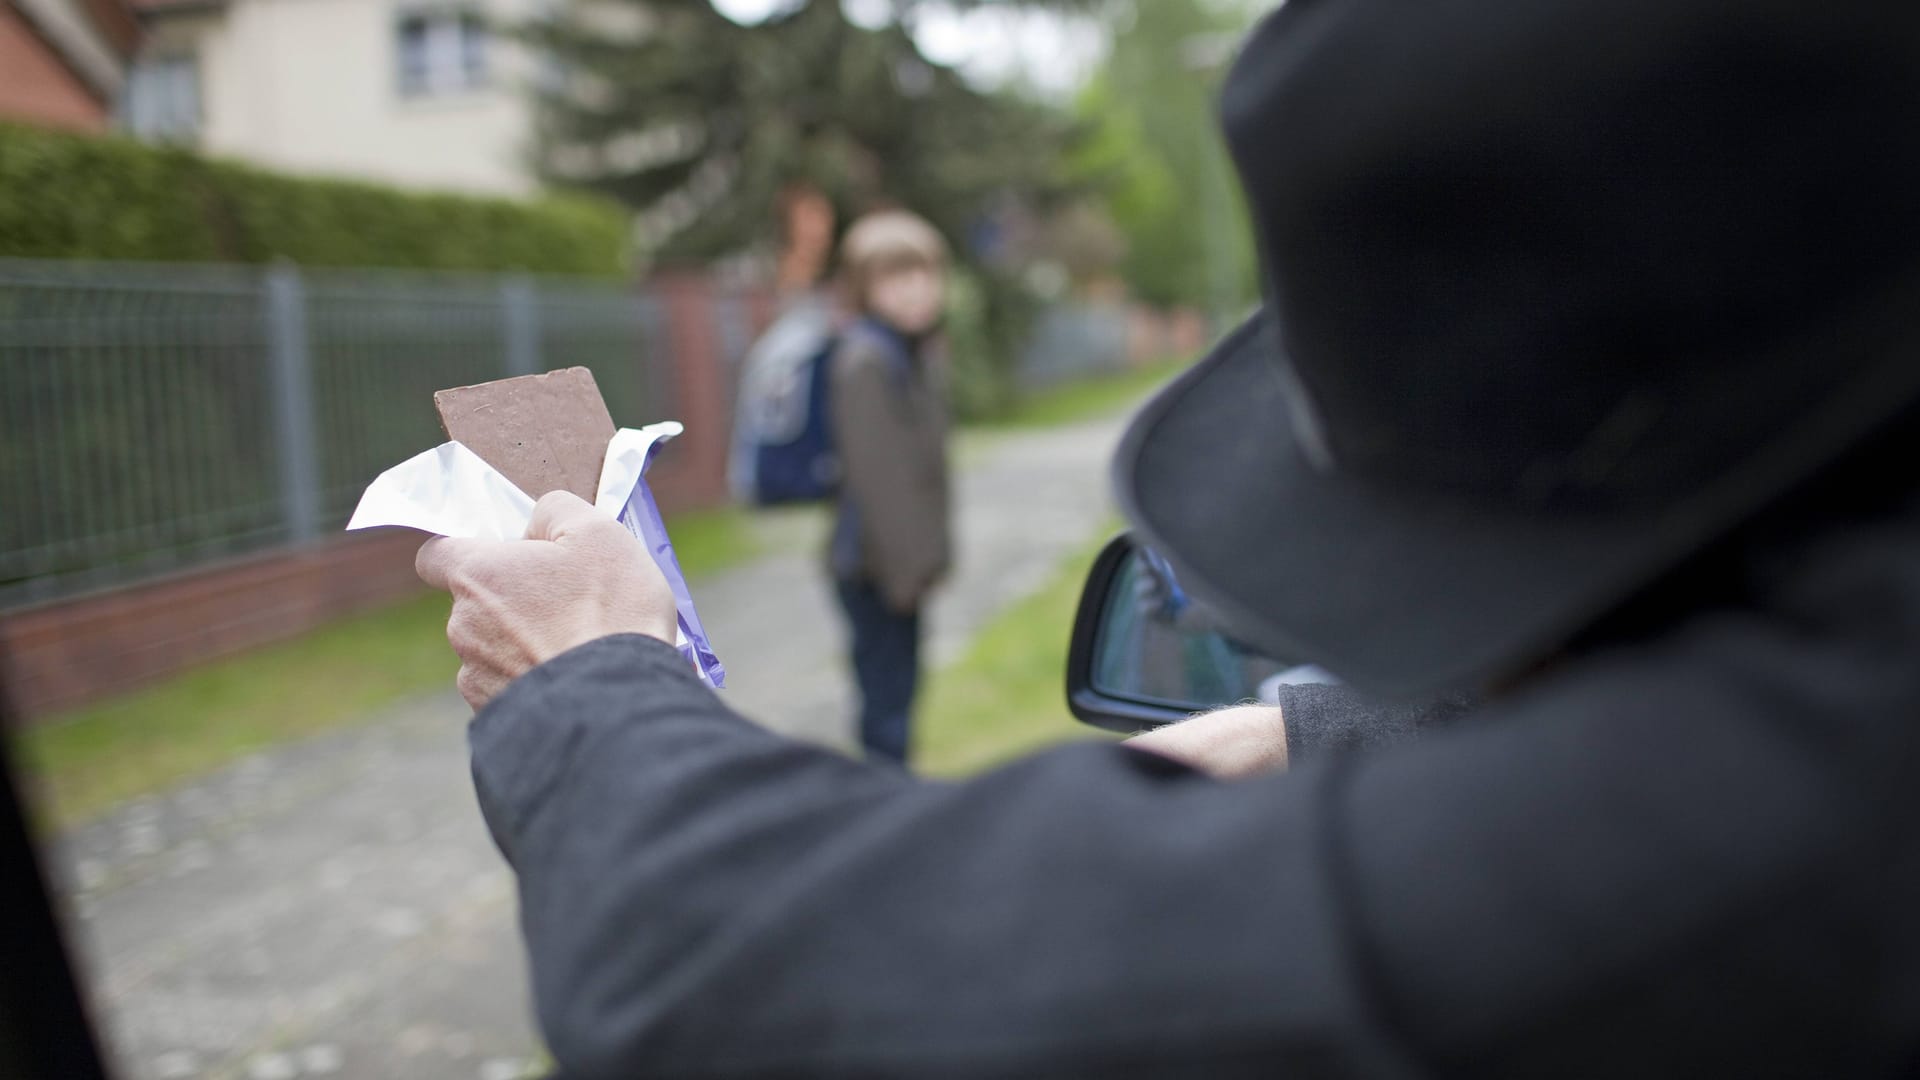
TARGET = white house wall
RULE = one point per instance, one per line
(311, 86)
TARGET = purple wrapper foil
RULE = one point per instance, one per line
(642, 518)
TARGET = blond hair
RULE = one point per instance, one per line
(885, 242)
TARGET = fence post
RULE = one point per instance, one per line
(292, 382)
(520, 322)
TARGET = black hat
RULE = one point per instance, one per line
(1560, 292)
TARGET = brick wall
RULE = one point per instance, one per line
(692, 470)
(36, 86)
(72, 652)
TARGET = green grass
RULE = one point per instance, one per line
(87, 760)
(1087, 398)
(1006, 696)
(709, 541)
(92, 758)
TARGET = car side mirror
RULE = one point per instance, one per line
(1144, 654)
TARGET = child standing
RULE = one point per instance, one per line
(891, 539)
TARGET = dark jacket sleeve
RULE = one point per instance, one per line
(1321, 718)
(1684, 861)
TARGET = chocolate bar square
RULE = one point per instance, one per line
(543, 432)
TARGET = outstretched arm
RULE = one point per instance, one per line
(1685, 861)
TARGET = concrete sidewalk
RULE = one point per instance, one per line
(335, 908)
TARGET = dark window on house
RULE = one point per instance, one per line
(441, 51)
(160, 100)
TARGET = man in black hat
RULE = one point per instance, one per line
(1585, 385)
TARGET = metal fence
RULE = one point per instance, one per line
(1075, 341)
(153, 417)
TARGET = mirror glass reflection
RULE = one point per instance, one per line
(1156, 646)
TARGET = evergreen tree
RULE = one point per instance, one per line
(698, 122)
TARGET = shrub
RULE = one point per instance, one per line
(65, 196)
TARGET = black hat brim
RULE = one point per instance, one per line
(1403, 593)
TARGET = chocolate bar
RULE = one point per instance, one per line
(542, 432)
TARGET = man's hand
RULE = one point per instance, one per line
(578, 576)
(1232, 744)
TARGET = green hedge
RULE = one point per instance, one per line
(68, 196)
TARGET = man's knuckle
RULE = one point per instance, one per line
(474, 577)
(557, 513)
(460, 629)
(462, 581)
(608, 532)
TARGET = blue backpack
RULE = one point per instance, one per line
(783, 448)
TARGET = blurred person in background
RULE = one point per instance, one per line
(806, 224)
(1586, 384)
(803, 328)
(891, 542)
